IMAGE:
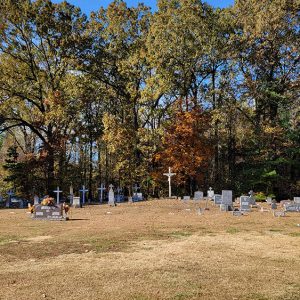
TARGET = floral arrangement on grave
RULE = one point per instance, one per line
(66, 207)
(48, 201)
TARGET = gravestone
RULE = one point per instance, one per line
(57, 191)
(245, 203)
(210, 193)
(102, 188)
(120, 196)
(227, 197)
(269, 200)
(186, 198)
(36, 200)
(274, 205)
(294, 207)
(224, 207)
(76, 202)
(83, 191)
(237, 213)
(279, 214)
(297, 199)
(198, 195)
(54, 213)
(217, 199)
(263, 209)
(111, 196)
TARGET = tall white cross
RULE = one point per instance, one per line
(83, 190)
(169, 179)
(101, 189)
(57, 195)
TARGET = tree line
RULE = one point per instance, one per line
(121, 95)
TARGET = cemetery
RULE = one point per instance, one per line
(149, 150)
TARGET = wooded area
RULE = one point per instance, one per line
(120, 96)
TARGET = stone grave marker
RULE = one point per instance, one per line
(217, 199)
(36, 200)
(76, 202)
(269, 200)
(57, 192)
(186, 198)
(54, 213)
(227, 199)
(102, 188)
(237, 213)
(198, 195)
(297, 199)
(111, 196)
(278, 213)
(274, 205)
(245, 203)
(83, 191)
(293, 207)
(210, 193)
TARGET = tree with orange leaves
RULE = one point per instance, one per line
(186, 148)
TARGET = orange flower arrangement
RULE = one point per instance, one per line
(48, 201)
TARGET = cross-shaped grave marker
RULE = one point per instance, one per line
(102, 188)
(83, 191)
(57, 194)
(169, 180)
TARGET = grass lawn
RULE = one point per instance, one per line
(160, 249)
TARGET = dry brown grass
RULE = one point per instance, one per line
(159, 249)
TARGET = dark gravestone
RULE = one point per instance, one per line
(245, 203)
(227, 197)
(217, 199)
(237, 213)
(44, 212)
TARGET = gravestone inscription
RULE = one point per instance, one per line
(44, 212)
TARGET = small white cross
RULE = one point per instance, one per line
(101, 189)
(169, 179)
(57, 195)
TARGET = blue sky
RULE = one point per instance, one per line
(89, 5)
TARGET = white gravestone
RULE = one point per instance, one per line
(297, 199)
(76, 202)
(198, 195)
(36, 200)
(111, 196)
(210, 193)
